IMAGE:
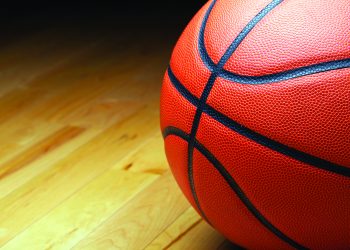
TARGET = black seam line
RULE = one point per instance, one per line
(233, 184)
(237, 41)
(209, 85)
(258, 138)
(276, 146)
(216, 71)
(265, 79)
(192, 137)
(286, 75)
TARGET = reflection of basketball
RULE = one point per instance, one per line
(255, 112)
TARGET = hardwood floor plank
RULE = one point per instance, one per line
(36, 151)
(82, 162)
(13, 103)
(141, 220)
(20, 146)
(18, 136)
(185, 223)
(72, 220)
(149, 159)
(44, 192)
(46, 161)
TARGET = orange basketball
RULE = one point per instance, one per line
(255, 114)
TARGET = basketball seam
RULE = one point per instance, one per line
(259, 138)
(217, 70)
(233, 184)
(209, 86)
(265, 79)
(192, 138)
(206, 92)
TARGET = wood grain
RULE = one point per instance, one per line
(82, 162)
(78, 215)
(140, 221)
(181, 226)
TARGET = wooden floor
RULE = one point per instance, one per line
(82, 164)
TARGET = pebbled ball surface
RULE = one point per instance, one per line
(255, 113)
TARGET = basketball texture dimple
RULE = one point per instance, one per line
(255, 114)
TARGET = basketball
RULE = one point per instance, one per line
(255, 115)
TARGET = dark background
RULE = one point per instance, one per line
(170, 17)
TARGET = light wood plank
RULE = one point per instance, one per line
(45, 161)
(16, 137)
(82, 162)
(44, 154)
(186, 222)
(30, 104)
(149, 159)
(48, 144)
(141, 220)
(14, 102)
(46, 191)
(64, 226)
